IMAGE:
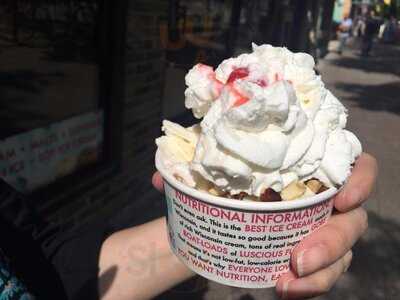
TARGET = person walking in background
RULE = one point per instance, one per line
(370, 29)
(344, 32)
(389, 31)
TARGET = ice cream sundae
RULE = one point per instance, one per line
(270, 129)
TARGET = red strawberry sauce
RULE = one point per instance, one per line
(237, 73)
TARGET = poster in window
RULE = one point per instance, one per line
(40, 156)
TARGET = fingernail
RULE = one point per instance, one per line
(310, 260)
(285, 289)
(300, 263)
(347, 260)
(346, 268)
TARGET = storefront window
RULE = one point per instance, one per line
(51, 114)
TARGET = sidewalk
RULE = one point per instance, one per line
(370, 88)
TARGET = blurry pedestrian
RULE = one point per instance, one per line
(389, 31)
(344, 32)
(370, 29)
(358, 26)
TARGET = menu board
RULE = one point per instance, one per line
(40, 156)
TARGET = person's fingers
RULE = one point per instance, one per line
(290, 287)
(282, 285)
(359, 185)
(330, 242)
(158, 181)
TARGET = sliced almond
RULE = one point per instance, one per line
(314, 185)
(293, 191)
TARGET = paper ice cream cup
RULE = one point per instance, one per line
(245, 244)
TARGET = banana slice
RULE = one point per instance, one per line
(308, 193)
(215, 192)
(293, 191)
(179, 143)
(174, 129)
(175, 149)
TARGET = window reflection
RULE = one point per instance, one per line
(196, 31)
(48, 62)
(51, 123)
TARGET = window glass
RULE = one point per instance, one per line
(195, 31)
(49, 89)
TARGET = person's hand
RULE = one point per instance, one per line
(320, 259)
(158, 181)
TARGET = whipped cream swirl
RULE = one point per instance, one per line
(268, 120)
